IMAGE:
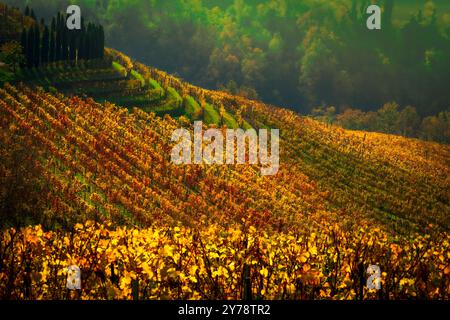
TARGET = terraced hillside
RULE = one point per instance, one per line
(400, 182)
(340, 201)
(86, 179)
(117, 79)
(114, 77)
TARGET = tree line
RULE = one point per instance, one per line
(299, 54)
(391, 119)
(42, 44)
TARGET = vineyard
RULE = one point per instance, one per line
(86, 177)
(111, 202)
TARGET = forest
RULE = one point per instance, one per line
(299, 54)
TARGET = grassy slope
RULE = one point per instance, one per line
(113, 84)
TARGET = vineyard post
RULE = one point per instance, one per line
(247, 283)
(361, 280)
(135, 289)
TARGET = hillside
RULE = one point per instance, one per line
(86, 178)
(301, 54)
(389, 173)
(101, 162)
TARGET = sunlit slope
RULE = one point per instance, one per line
(105, 164)
(400, 182)
(392, 179)
(120, 80)
(340, 202)
(121, 165)
(395, 180)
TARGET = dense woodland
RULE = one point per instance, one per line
(300, 54)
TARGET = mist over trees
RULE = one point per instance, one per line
(300, 54)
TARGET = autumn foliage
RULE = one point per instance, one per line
(139, 226)
(184, 263)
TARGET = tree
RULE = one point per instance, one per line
(52, 44)
(388, 118)
(45, 46)
(72, 35)
(408, 121)
(323, 114)
(352, 119)
(437, 128)
(58, 37)
(24, 44)
(64, 41)
(30, 47)
(101, 42)
(11, 54)
(37, 46)
(32, 15)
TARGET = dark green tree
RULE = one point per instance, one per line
(11, 54)
(90, 36)
(52, 43)
(32, 15)
(64, 40)
(101, 42)
(37, 46)
(24, 44)
(30, 46)
(45, 46)
(72, 39)
(58, 37)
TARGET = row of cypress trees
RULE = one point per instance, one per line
(42, 44)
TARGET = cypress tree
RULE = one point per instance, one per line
(37, 47)
(30, 47)
(27, 11)
(52, 49)
(45, 46)
(91, 37)
(97, 41)
(72, 45)
(102, 42)
(86, 45)
(81, 41)
(82, 46)
(87, 42)
(58, 33)
(64, 39)
(94, 42)
(32, 15)
(24, 44)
